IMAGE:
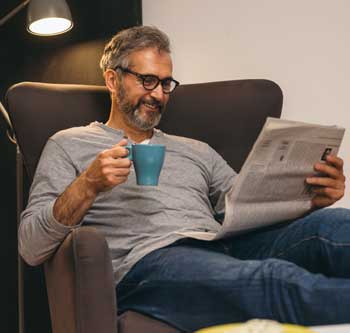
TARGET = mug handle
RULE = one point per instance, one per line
(129, 148)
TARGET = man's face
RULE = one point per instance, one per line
(142, 108)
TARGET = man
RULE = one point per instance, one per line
(293, 272)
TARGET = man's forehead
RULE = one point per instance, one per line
(150, 59)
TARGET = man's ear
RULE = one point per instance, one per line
(111, 80)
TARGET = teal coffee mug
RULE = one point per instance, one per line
(148, 161)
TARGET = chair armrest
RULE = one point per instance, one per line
(80, 285)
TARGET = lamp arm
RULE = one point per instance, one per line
(13, 12)
(10, 132)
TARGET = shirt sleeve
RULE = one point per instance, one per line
(222, 179)
(39, 232)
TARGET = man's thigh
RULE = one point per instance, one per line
(192, 279)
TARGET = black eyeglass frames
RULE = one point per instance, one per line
(151, 82)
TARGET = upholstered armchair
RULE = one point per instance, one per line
(79, 280)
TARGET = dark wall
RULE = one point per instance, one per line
(69, 58)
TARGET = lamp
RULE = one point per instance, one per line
(44, 17)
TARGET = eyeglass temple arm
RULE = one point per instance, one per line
(13, 12)
(10, 132)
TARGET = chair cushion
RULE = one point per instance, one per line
(132, 322)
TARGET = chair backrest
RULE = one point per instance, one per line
(228, 115)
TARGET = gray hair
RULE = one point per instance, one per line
(117, 51)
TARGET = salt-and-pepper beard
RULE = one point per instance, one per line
(132, 112)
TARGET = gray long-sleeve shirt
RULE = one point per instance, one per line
(134, 219)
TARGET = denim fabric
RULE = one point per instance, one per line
(296, 272)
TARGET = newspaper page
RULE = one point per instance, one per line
(271, 186)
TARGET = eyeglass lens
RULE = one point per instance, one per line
(151, 82)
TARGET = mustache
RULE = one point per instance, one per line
(152, 101)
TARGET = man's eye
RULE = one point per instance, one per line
(150, 80)
(166, 83)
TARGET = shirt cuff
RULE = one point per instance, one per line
(57, 226)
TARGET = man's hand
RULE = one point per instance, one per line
(110, 168)
(329, 188)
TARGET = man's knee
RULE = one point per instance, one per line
(334, 214)
(326, 222)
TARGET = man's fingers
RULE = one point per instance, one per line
(328, 170)
(327, 190)
(115, 152)
(123, 142)
(336, 161)
(331, 187)
(321, 201)
(114, 176)
(334, 194)
(116, 171)
(119, 163)
(325, 181)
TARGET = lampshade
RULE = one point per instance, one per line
(48, 17)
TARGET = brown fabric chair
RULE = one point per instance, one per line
(81, 293)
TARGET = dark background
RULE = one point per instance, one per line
(69, 58)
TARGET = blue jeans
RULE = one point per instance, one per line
(297, 272)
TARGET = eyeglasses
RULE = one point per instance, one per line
(151, 82)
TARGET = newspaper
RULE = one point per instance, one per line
(271, 186)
